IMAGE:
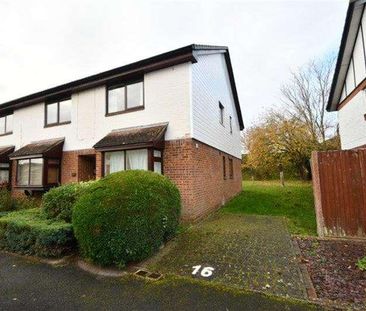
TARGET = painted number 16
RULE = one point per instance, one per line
(205, 272)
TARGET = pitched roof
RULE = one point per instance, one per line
(178, 56)
(131, 137)
(39, 148)
(349, 36)
(4, 153)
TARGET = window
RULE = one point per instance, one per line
(224, 167)
(221, 113)
(58, 113)
(231, 169)
(6, 125)
(231, 124)
(137, 159)
(116, 161)
(158, 162)
(30, 172)
(125, 97)
(4, 173)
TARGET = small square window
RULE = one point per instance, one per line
(6, 124)
(58, 113)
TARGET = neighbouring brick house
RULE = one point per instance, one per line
(176, 113)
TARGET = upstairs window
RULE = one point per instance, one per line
(6, 125)
(125, 97)
(58, 113)
(221, 106)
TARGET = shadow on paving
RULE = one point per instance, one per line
(27, 285)
(246, 251)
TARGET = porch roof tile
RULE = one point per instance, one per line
(39, 148)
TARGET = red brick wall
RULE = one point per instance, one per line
(74, 167)
(197, 170)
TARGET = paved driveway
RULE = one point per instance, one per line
(245, 251)
(27, 285)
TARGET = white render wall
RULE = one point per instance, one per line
(352, 125)
(211, 84)
(167, 99)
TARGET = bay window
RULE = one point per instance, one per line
(125, 97)
(38, 172)
(136, 159)
(4, 173)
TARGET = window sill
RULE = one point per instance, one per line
(6, 134)
(125, 111)
(57, 124)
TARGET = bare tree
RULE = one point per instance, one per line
(305, 97)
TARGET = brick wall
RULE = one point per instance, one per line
(75, 167)
(197, 170)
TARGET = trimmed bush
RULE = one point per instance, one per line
(28, 232)
(126, 217)
(58, 202)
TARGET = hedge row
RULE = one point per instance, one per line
(29, 232)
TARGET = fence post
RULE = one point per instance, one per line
(317, 192)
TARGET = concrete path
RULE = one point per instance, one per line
(245, 251)
(29, 285)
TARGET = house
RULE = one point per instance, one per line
(347, 94)
(176, 114)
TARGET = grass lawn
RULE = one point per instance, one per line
(294, 201)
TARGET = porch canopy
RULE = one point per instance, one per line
(4, 153)
(51, 148)
(149, 136)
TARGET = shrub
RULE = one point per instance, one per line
(7, 203)
(125, 217)
(58, 202)
(28, 232)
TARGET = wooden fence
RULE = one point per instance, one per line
(339, 182)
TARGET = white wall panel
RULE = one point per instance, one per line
(167, 99)
(210, 84)
(352, 124)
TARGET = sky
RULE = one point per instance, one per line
(47, 43)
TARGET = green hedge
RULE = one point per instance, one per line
(126, 217)
(28, 232)
(58, 202)
(8, 203)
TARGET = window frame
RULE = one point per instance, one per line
(222, 113)
(150, 158)
(224, 167)
(57, 123)
(231, 168)
(8, 169)
(124, 84)
(45, 166)
(5, 125)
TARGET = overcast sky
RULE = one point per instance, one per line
(46, 43)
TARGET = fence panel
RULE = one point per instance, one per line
(339, 182)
